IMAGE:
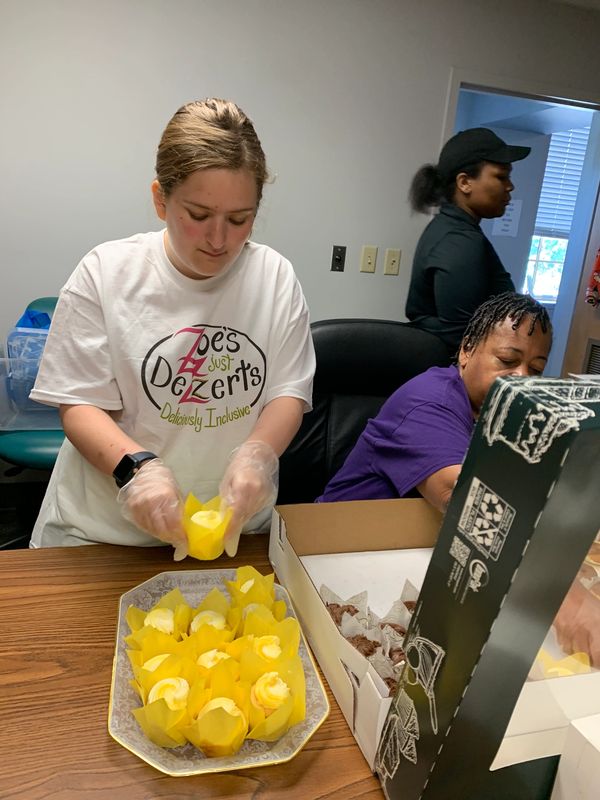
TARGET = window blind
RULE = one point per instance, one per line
(561, 182)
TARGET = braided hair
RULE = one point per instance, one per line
(508, 305)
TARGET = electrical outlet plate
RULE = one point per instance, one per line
(368, 258)
(391, 264)
(338, 258)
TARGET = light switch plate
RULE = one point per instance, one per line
(391, 264)
(368, 258)
(338, 258)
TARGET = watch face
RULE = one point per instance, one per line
(129, 465)
(124, 467)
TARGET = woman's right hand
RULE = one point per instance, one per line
(152, 501)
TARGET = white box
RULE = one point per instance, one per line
(578, 776)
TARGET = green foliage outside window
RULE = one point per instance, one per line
(544, 267)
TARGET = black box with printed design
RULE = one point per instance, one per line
(522, 517)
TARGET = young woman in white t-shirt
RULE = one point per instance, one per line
(181, 360)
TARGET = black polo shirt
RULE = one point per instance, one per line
(455, 269)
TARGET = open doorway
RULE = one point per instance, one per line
(543, 236)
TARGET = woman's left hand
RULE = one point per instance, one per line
(249, 484)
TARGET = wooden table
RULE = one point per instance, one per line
(58, 614)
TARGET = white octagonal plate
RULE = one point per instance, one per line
(188, 760)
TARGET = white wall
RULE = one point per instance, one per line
(348, 96)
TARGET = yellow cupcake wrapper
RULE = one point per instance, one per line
(272, 727)
(261, 622)
(261, 589)
(217, 733)
(216, 601)
(575, 664)
(230, 664)
(174, 601)
(205, 638)
(204, 543)
(162, 725)
(151, 642)
(175, 666)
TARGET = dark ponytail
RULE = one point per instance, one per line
(429, 188)
(426, 189)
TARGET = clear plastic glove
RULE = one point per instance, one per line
(577, 623)
(249, 484)
(152, 501)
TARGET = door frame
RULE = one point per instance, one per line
(461, 78)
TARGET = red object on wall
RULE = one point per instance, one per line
(592, 292)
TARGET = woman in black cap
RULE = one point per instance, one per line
(455, 267)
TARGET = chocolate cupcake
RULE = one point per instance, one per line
(364, 645)
(337, 610)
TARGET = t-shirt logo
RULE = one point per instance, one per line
(204, 375)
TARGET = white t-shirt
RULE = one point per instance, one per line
(188, 365)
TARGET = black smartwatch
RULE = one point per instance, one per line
(129, 465)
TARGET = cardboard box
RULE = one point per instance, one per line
(298, 531)
(521, 520)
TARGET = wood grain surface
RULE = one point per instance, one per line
(58, 615)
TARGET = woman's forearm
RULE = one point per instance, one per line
(97, 436)
(438, 487)
(279, 422)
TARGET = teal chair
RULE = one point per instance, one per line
(31, 449)
(27, 450)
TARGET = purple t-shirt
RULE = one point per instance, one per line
(424, 426)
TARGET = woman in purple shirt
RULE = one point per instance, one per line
(420, 437)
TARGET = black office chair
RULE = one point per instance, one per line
(360, 363)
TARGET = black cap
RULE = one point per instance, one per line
(475, 145)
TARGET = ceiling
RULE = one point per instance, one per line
(520, 113)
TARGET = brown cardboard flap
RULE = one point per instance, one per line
(360, 525)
